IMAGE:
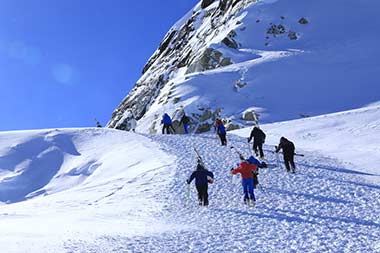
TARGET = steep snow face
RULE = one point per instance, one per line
(279, 60)
(352, 137)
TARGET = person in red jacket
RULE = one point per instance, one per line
(246, 170)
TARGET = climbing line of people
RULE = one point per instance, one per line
(248, 168)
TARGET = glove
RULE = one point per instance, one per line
(232, 169)
(187, 181)
(248, 140)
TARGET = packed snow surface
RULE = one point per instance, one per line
(352, 136)
(101, 190)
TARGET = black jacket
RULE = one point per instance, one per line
(258, 135)
(201, 176)
(287, 146)
(185, 119)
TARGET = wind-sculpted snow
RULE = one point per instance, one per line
(324, 207)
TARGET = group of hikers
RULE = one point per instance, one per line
(248, 168)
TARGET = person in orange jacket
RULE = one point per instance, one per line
(247, 170)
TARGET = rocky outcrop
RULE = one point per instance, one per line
(206, 3)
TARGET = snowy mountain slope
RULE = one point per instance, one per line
(261, 57)
(82, 183)
(321, 208)
(135, 200)
(352, 137)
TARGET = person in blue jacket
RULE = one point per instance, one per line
(168, 124)
(202, 177)
(221, 131)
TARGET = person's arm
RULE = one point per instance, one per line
(251, 136)
(236, 171)
(279, 147)
(191, 178)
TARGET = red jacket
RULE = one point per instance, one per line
(245, 169)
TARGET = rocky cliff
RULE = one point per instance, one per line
(238, 59)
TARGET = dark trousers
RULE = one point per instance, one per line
(168, 128)
(202, 194)
(289, 161)
(258, 145)
(223, 139)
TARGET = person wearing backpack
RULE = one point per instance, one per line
(253, 160)
(185, 121)
(288, 150)
(168, 124)
(221, 131)
(202, 177)
(247, 171)
(258, 140)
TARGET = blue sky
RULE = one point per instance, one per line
(64, 62)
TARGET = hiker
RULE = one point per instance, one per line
(132, 122)
(258, 140)
(253, 160)
(168, 124)
(246, 170)
(288, 149)
(203, 177)
(185, 121)
(221, 131)
(98, 123)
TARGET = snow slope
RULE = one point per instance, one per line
(113, 191)
(352, 137)
(84, 183)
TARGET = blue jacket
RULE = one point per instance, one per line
(221, 129)
(166, 119)
(200, 176)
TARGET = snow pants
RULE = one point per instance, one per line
(259, 146)
(223, 139)
(248, 189)
(202, 194)
(289, 161)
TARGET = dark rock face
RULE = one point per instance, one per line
(206, 3)
(229, 40)
(303, 21)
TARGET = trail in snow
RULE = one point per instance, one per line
(324, 207)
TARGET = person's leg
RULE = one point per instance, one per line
(250, 189)
(245, 189)
(200, 194)
(260, 145)
(205, 195)
(224, 140)
(286, 160)
(292, 164)
(221, 138)
(163, 129)
(185, 128)
(255, 148)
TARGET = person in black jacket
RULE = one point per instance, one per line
(258, 140)
(288, 149)
(202, 178)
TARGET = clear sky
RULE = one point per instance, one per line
(64, 62)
